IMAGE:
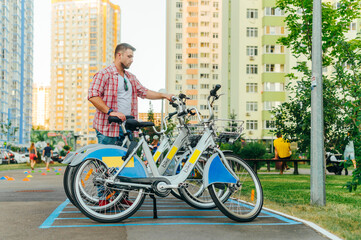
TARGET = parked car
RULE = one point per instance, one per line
(11, 156)
(56, 157)
(5, 159)
(21, 157)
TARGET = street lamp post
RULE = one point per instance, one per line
(318, 191)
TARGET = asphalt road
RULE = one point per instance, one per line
(38, 209)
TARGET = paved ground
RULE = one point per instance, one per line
(38, 209)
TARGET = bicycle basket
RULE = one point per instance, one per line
(228, 130)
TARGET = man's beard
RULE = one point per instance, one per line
(124, 67)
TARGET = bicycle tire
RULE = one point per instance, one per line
(245, 201)
(113, 210)
(67, 183)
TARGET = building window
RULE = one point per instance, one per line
(178, 37)
(268, 124)
(215, 15)
(204, 44)
(178, 46)
(251, 106)
(179, 4)
(252, 32)
(178, 56)
(267, 106)
(204, 75)
(251, 87)
(215, 4)
(274, 30)
(352, 27)
(192, 55)
(215, 76)
(178, 87)
(178, 66)
(204, 86)
(215, 35)
(178, 15)
(274, 49)
(215, 66)
(252, 50)
(252, 69)
(178, 25)
(273, 87)
(252, 13)
(215, 25)
(279, 68)
(271, 11)
(251, 124)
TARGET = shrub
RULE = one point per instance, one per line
(253, 150)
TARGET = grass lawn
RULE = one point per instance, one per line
(26, 166)
(290, 194)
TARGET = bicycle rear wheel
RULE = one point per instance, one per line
(101, 202)
(67, 183)
(245, 199)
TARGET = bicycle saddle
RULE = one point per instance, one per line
(113, 119)
(134, 125)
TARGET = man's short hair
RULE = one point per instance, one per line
(123, 47)
(279, 134)
(48, 144)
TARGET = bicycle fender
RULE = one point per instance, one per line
(69, 158)
(112, 155)
(216, 172)
(98, 152)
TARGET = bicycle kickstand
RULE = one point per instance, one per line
(155, 214)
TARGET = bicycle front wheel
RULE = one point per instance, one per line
(99, 201)
(245, 199)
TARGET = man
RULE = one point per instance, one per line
(282, 151)
(47, 154)
(114, 92)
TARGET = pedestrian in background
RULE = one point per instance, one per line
(282, 151)
(33, 155)
(47, 154)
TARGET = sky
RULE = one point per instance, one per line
(143, 24)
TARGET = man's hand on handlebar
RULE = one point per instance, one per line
(168, 97)
(119, 115)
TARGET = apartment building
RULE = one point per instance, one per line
(232, 43)
(194, 50)
(41, 111)
(16, 69)
(84, 36)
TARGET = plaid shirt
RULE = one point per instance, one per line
(105, 86)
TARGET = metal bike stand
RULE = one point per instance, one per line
(155, 214)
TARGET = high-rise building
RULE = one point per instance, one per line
(232, 43)
(194, 50)
(84, 36)
(41, 111)
(16, 69)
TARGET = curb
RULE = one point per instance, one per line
(308, 223)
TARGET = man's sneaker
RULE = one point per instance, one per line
(126, 202)
(103, 202)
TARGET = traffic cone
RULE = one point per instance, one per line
(29, 176)
(43, 174)
(11, 179)
(26, 180)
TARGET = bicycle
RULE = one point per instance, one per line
(132, 181)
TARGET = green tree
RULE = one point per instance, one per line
(293, 117)
(341, 91)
